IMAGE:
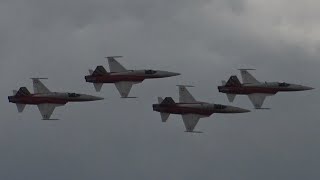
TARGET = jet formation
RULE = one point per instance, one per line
(256, 91)
(122, 78)
(188, 107)
(46, 100)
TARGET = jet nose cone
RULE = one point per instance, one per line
(241, 110)
(170, 74)
(96, 98)
(305, 88)
(175, 74)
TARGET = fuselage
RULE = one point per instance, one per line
(52, 98)
(204, 109)
(264, 88)
(130, 75)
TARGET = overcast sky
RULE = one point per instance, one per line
(205, 41)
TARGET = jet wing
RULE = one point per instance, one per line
(190, 121)
(185, 96)
(124, 88)
(247, 78)
(114, 65)
(257, 99)
(39, 87)
(47, 109)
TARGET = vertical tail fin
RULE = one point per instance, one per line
(233, 82)
(168, 100)
(100, 70)
(23, 91)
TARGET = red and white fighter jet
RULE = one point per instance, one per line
(256, 91)
(190, 109)
(46, 100)
(122, 78)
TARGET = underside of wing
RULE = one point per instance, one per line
(115, 66)
(46, 110)
(39, 87)
(185, 96)
(247, 78)
(124, 88)
(257, 99)
(190, 121)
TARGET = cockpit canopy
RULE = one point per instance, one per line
(283, 84)
(150, 71)
(73, 95)
(219, 106)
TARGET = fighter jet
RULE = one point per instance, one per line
(190, 109)
(256, 91)
(122, 78)
(46, 100)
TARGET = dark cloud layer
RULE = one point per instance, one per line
(204, 40)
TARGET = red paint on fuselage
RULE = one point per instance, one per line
(249, 90)
(114, 78)
(37, 100)
(176, 109)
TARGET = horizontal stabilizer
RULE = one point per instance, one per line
(97, 86)
(231, 97)
(20, 107)
(164, 116)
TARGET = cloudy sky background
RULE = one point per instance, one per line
(206, 41)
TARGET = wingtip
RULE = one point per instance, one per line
(113, 57)
(195, 132)
(246, 69)
(34, 78)
(181, 85)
